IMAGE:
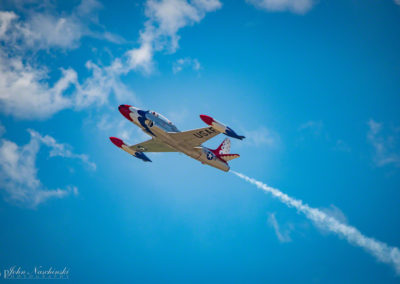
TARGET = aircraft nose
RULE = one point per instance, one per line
(124, 110)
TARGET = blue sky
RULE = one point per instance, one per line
(313, 85)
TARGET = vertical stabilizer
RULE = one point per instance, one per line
(224, 148)
(222, 152)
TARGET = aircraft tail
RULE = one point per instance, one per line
(223, 150)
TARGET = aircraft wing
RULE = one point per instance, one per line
(194, 137)
(152, 145)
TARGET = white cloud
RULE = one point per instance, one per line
(397, 2)
(336, 213)
(24, 94)
(380, 250)
(283, 237)
(6, 18)
(60, 150)
(43, 28)
(2, 129)
(178, 115)
(385, 151)
(314, 127)
(295, 6)
(119, 127)
(105, 80)
(342, 146)
(104, 123)
(261, 137)
(18, 172)
(165, 19)
(187, 62)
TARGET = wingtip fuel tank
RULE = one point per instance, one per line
(220, 127)
(120, 144)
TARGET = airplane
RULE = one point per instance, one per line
(167, 138)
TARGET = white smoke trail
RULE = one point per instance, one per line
(380, 250)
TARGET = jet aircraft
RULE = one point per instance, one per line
(167, 138)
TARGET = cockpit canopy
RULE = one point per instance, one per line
(156, 114)
(167, 123)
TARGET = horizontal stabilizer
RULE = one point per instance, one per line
(228, 157)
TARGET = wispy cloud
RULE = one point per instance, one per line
(60, 150)
(121, 128)
(283, 236)
(187, 62)
(385, 147)
(165, 19)
(261, 137)
(341, 146)
(2, 129)
(18, 171)
(295, 6)
(334, 212)
(178, 115)
(21, 82)
(43, 28)
(380, 250)
(315, 127)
